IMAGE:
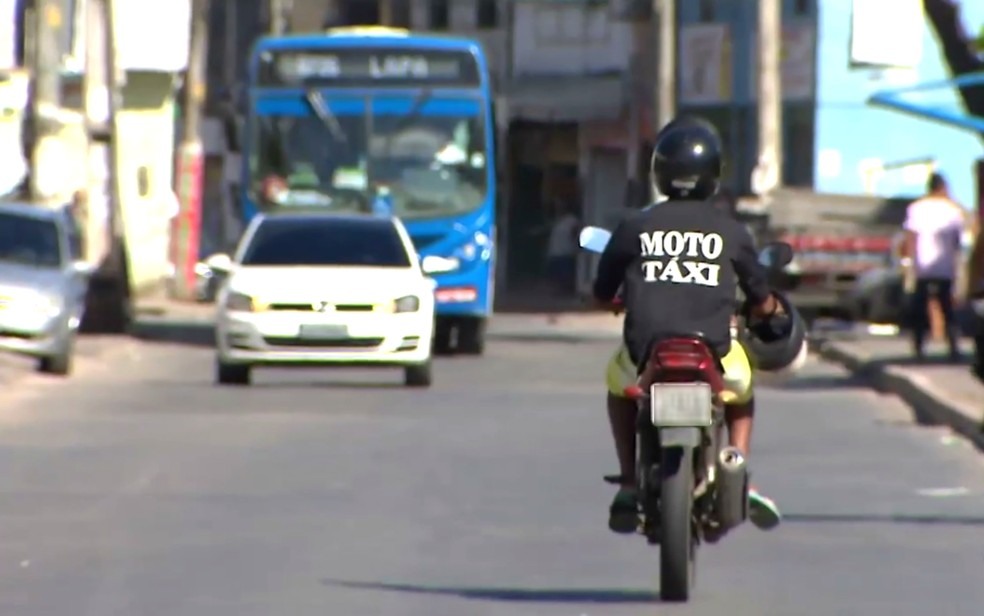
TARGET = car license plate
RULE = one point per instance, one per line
(681, 404)
(324, 332)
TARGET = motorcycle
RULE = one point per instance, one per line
(692, 486)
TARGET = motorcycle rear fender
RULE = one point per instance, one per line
(679, 437)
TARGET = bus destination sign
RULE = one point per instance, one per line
(368, 67)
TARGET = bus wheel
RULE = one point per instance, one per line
(471, 336)
(442, 336)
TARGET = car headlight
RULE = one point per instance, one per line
(239, 302)
(410, 303)
(46, 304)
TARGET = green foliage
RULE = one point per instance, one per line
(979, 41)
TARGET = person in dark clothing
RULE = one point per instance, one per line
(679, 264)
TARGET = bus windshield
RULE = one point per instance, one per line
(329, 154)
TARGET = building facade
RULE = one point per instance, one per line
(833, 140)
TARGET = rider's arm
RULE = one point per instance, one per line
(622, 248)
(753, 277)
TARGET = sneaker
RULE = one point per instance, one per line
(623, 515)
(762, 511)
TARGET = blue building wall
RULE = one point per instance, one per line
(845, 124)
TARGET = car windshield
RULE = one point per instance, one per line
(28, 241)
(307, 242)
(431, 157)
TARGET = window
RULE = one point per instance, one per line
(707, 10)
(327, 241)
(25, 240)
(487, 16)
(440, 14)
(359, 13)
(143, 181)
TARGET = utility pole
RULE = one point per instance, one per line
(49, 20)
(279, 16)
(767, 175)
(664, 94)
(191, 157)
(96, 106)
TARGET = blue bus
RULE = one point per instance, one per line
(380, 120)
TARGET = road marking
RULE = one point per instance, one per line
(943, 492)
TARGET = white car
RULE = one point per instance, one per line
(324, 289)
(43, 284)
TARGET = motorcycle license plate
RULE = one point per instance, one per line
(681, 404)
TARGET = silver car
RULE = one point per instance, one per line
(43, 284)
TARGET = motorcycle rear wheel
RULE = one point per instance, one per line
(678, 546)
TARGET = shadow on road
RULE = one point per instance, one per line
(850, 518)
(514, 595)
(192, 333)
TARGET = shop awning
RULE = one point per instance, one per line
(567, 99)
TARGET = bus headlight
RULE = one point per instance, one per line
(410, 303)
(479, 245)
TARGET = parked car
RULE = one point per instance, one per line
(43, 284)
(324, 289)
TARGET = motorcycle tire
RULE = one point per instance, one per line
(677, 546)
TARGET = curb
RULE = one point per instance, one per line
(929, 404)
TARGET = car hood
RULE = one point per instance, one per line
(324, 284)
(17, 278)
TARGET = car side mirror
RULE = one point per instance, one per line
(220, 263)
(776, 255)
(432, 264)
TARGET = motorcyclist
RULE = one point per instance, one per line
(679, 264)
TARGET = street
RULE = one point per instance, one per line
(143, 489)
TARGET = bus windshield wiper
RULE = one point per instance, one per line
(414, 112)
(324, 114)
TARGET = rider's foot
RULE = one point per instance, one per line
(623, 515)
(762, 511)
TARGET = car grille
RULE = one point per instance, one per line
(346, 343)
(317, 307)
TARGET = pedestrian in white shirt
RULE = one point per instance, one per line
(934, 226)
(562, 248)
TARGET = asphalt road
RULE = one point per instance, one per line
(142, 489)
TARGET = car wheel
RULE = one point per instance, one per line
(59, 363)
(232, 374)
(418, 375)
(471, 336)
(442, 336)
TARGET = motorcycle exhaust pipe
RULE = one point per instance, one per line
(731, 492)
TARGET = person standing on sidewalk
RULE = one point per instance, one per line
(934, 227)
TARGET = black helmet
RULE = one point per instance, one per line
(686, 161)
(776, 343)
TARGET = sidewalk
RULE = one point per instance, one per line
(939, 392)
